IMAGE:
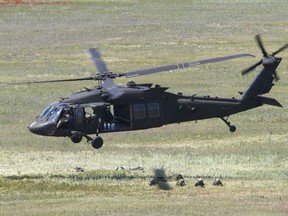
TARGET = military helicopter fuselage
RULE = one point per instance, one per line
(112, 108)
(138, 107)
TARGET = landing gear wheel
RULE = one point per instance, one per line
(97, 142)
(76, 138)
(232, 128)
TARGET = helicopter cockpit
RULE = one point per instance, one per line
(46, 123)
(62, 119)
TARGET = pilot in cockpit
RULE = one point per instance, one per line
(66, 118)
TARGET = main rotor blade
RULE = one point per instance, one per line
(96, 58)
(280, 50)
(49, 81)
(182, 65)
(260, 44)
(243, 72)
(276, 76)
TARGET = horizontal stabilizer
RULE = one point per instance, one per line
(269, 101)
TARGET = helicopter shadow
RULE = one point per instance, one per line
(160, 179)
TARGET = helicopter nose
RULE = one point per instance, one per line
(42, 128)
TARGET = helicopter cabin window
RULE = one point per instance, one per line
(153, 110)
(139, 111)
(90, 116)
(122, 112)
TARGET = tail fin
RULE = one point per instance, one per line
(263, 83)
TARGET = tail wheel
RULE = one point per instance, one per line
(232, 128)
(97, 142)
(76, 138)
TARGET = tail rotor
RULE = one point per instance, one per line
(267, 58)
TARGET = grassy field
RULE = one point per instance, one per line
(47, 40)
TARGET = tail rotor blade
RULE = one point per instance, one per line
(249, 69)
(260, 44)
(276, 76)
(280, 50)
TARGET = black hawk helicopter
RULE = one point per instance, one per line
(110, 108)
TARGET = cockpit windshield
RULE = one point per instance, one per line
(53, 111)
(46, 112)
(54, 114)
